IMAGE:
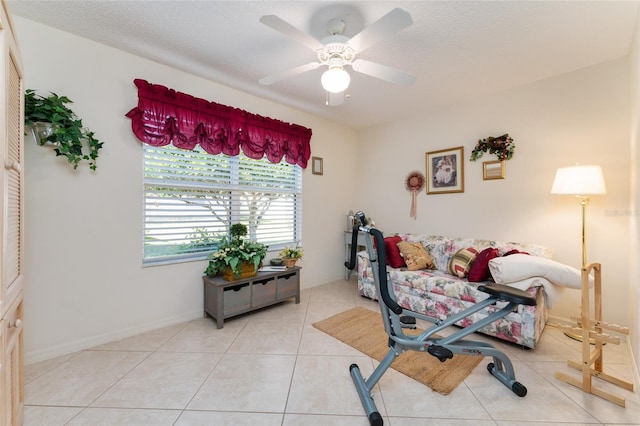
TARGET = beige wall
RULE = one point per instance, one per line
(581, 117)
(634, 219)
(85, 280)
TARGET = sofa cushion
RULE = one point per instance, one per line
(394, 258)
(520, 266)
(415, 255)
(479, 270)
(460, 262)
(438, 247)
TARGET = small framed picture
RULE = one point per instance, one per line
(493, 170)
(316, 165)
(445, 171)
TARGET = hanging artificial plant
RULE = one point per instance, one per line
(64, 129)
(502, 146)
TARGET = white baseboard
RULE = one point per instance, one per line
(313, 283)
(553, 319)
(93, 341)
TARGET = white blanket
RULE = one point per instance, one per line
(520, 266)
(553, 291)
(522, 271)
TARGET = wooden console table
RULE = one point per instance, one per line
(224, 299)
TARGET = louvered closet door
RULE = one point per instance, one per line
(11, 226)
(12, 265)
(14, 350)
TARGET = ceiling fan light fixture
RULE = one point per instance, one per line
(335, 80)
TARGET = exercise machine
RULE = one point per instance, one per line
(395, 318)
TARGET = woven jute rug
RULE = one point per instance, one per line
(363, 330)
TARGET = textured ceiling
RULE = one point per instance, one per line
(459, 50)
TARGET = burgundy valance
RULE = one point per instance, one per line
(165, 116)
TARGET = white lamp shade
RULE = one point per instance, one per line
(579, 180)
(335, 80)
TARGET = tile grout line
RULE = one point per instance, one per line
(295, 364)
(149, 354)
(226, 352)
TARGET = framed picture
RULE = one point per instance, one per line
(493, 170)
(316, 165)
(445, 171)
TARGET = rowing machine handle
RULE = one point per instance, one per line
(351, 264)
(382, 260)
(382, 272)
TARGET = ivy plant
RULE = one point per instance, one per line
(69, 137)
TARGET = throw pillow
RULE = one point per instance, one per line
(461, 262)
(415, 256)
(479, 270)
(514, 251)
(394, 259)
(521, 266)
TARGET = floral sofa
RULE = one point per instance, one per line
(439, 290)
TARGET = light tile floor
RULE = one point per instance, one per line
(272, 367)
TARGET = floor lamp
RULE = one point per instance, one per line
(581, 182)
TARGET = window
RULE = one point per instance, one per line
(192, 198)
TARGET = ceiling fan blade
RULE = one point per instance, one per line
(384, 27)
(383, 72)
(289, 30)
(274, 78)
(334, 99)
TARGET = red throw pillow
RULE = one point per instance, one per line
(514, 251)
(393, 252)
(479, 270)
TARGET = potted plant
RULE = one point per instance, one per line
(236, 257)
(53, 123)
(290, 255)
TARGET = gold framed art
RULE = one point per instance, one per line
(317, 166)
(493, 170)
(445, 171)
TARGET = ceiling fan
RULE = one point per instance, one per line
(337, 51)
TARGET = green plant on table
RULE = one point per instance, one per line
(295, 252)
(67, 134)
(235, 250)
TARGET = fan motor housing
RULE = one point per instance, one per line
(336, 46)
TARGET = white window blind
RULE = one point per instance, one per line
(192, 198)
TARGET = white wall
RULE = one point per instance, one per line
(634, 218)
(581, 117)
(85, 282)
